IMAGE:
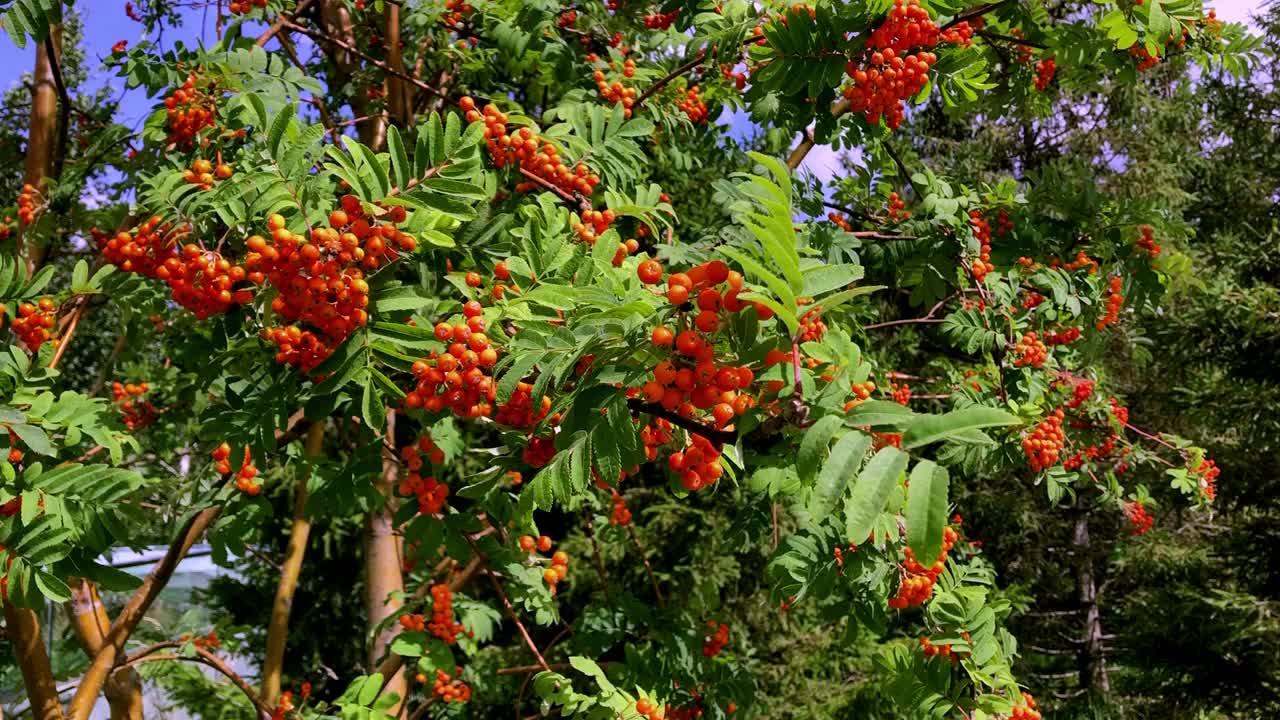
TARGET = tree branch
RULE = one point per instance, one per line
(723, 437)
(105, 659)
(665, 80)
(64, 108)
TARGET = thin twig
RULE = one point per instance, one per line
(648, 568)
(506, 605)
(322, 37)
(590, 529)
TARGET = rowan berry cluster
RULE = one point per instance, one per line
(653, 436)
(450, 690)
(559, 569)
(714, 643)
(897, 207)
(1207, 470)
(458, 379)
(1022, 51)
(204, 174)
(886, 439)
(1030, 351)
(1147, 240)
(617, 92)
(981, 231)
(861, 391)
(1062, 337)
(1082, 261)
(1146, 60)
(1119, 412)
(661, 21)
(1026, 710)
(456, 11)
(1080, 392)
(244, 7)
(29, 205)
(1032, 300)
(188, 110)
(567, 18)
(812, 327)
(431, 493)
(931, 650)
(246, 473)
(901, 393)
(620, 515)
(917, 581)
(135, 411)
(527, 151)
(1044, 73)
(1140, 522)
(321, 290)
(691, 103)
(199, 280)
(840, 221)
(594, 223)
(442, 624)
(34, 323)
(648, 709)
(1043, 444)
(698, 464)
(1114, 301)
(730, 75)
(538, 452)
(889, 71)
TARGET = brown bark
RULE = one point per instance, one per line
(797, 156)
(1092, 663)
(336, 20)
(384, 578)
(90, 622)
(278, 629)
(42, 133)
(399, 92)
(23, 629)
(104, 661)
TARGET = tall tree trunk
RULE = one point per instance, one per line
(383, 572)
(90, 622)
(399, 92)
(337, 23)
(1092, 663)
(42, 133)
(278, 629)
(23, 628)
(21, 624)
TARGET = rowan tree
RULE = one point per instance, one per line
(489, 283)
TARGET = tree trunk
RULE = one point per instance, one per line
(90, 622)
(399, 92)
(1092, 663)
(384, 581)
(278, 630)
(23, 629)
(42, 133)
(337, 23)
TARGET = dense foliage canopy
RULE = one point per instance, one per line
(514, 364)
